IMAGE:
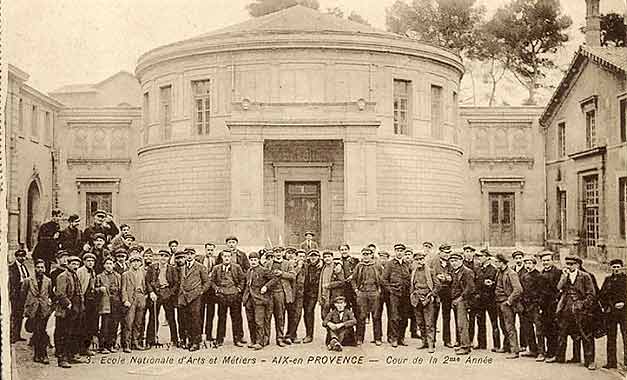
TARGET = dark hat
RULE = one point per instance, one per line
(74, 218)
(277, 249)
(485, 251)
(455, 255)
(74, 258)
(409, 249)
(399, 246)
(99, 235)
(327, 253)
(148, 251)
(339, 299)
(501, 257)
(573, 258)
(89, 255)
(545, 253)
(128, 235)
(190, 251)
(262, 251)
(469, 247)
(517, 252)
(253, 255)
(309, 233)
(39, 261)
(419, 255)
(366, 251)
(173, 241)
(62, 252)
(384, 253)
(372, 245)
(313, 252)
(445, 248)
(100, 212)
(290, 250)
(530, 258)
(135, 248)
(20, 252)
(616, 261)
(108, 258)
(164, 252)
(180, 253)
(121, 252)
(297, 251)
(268, 254)
(134, 258)
(232, 237)
(427, 244)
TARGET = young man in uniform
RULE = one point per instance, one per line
(396, 277)
(194, 282)
(257, 301)
(384, 258)
(48, 240)
(331, 282)
(551, 276)
(134, 299)
(366, 282)
(162, 282)
(348, 266)
(462, 290)
(533, 284)
(519, 268)
(208, 308)
(484, 303)
(423, 292)
(282, 295)
(68, 310)
(440, 268)
(237, 255)
(613, 296)
(339, 323)
(295, 309)
(313, 268)
(37, 309)
(227, 278)
(110, 308)
(99, 251)
(71, 238)
(18, 273)
(87, 278)
(507, 295)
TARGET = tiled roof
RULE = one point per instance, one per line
(612, 57)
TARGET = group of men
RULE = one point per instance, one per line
(99, 282)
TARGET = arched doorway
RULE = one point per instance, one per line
(32, 215)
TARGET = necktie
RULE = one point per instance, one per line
(23, 272)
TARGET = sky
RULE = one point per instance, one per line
(60, 42)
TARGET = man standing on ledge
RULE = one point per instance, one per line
(507, 295)
(309, 243)
(48, 240)
(102, 224)
(462, 290)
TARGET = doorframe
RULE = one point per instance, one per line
(513, 184)
(34, 180)
(319, 209)
(86, 185)
(306, 172)
(499, 195)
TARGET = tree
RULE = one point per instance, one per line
(448, 23)
(355, 17)
(613, 30)
(531, 31)
(264, 7)
(336, 11)
(488, 49)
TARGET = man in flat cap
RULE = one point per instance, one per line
(18, 273)
(519, 267)
(462, 291)
(257, 300)
(104, 224)
(339, 322)
(162, 284)
(37, 291)
(313, 267)
(423, 292)
(87, 278)
(71, 238)
(507, 294)
(122, 238)
(485, 283)
(237, 255)
(348, 266)
(110, 307)
(396, 277)
(533, 292)
(48, 239)
(613, 296)
(331, 282)
(134, 299)
(295, 309)
(384, 258)
(367, 283)
(227, 279)
(309, 243)
(551, 276)
(441, 269)
(99, 250)
(575, 310)
(282, 295)
(194, 282)
(68, 310)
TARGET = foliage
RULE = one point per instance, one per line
(263, 7)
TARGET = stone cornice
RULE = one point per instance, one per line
(509, 182)
(298, 40)
(302, 123)
(492, 161)
(599, 150)
(40, 96)
(98, 161)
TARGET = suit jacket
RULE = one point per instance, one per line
(15, 284)
(120, 269)
(613, 291)
(288, 275)
(68, 291)
(432, 283)
(130, 284)
(511, 286)
(71, 239)
(112, 294)
(396, 277)
(194, 281)
(38, 301)
(238, 257)
(583, 287)
(311, 280)
(348, 318)
(307, 246)
(47, 245)
(152, 281)
(257, 278)
(84, 278)
(334, 288)
(463, 284)
(217, 275)
(359, 276)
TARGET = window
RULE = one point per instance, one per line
(622, 206)
(561, 215)
(561, 140)
(436, 112)
(591, 209)
(202, 110)
(166, 111)
(623, 120)
(146, 117)
(34, 122)
(20, 115)
(402, 91)
(591, 137)
(48, 127)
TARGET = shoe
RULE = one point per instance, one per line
(239, 343)
(242, 340)
(44, 360)
(298, 341)
(250, 345)
(105, 351)
(540, 358)
(112, 350)
(219, 343)
(257, 346)
(394, 344)
(359, 343)
(308, 339)
(431, 350)
(512, 356)
(529, 354)
(336, 346)
(607, 366)
(500, 351)
(402, 343)
(88, 353)
(449, 345)
(377, 342)
(287, 341)
(36, 359)
(415, 336)
(127, 350)
(64, 364)
(592, 366)
(462, 351)
(194, 347)
(280, 343)
(522, 349)
(573, 360)
(75, 361)
(552, 359)
(423, 346)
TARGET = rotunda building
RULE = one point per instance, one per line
(299, 121)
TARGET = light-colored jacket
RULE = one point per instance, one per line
(37, 301)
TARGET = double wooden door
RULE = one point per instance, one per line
(502, 219)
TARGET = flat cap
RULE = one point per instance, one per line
(366, 251)
(62, 252)
(314, 252)
(446, 248)
(530, 258)
(427, 244)
(253, 255)
(399, 246)
(419, 255)
(20, 252)
(173, 241)
(74, 258)
(327, 253)
(384, 254)
(517, 252)
(89, 255)
(339, 299)
(469, 247)
(74, 218)
(100, 212)
(164, 252)
(121, 252)
(455, 255)
(134, 258)
(309, 233)
(98, 235)
(616, 262)
(573, 258)
(501, 257)
(229, 238)
(180, 253)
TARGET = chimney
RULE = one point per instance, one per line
(593, 23)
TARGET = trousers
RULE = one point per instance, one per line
(460, 308)
(256, 314)
(507, 320)
(309, 308)
(478, 317)
(233, 304)
(368, 303)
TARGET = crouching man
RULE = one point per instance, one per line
(339, 323)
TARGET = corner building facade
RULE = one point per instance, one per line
(300, 121)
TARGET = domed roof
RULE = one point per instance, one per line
(294, 19)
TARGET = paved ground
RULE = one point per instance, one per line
(310, 361)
